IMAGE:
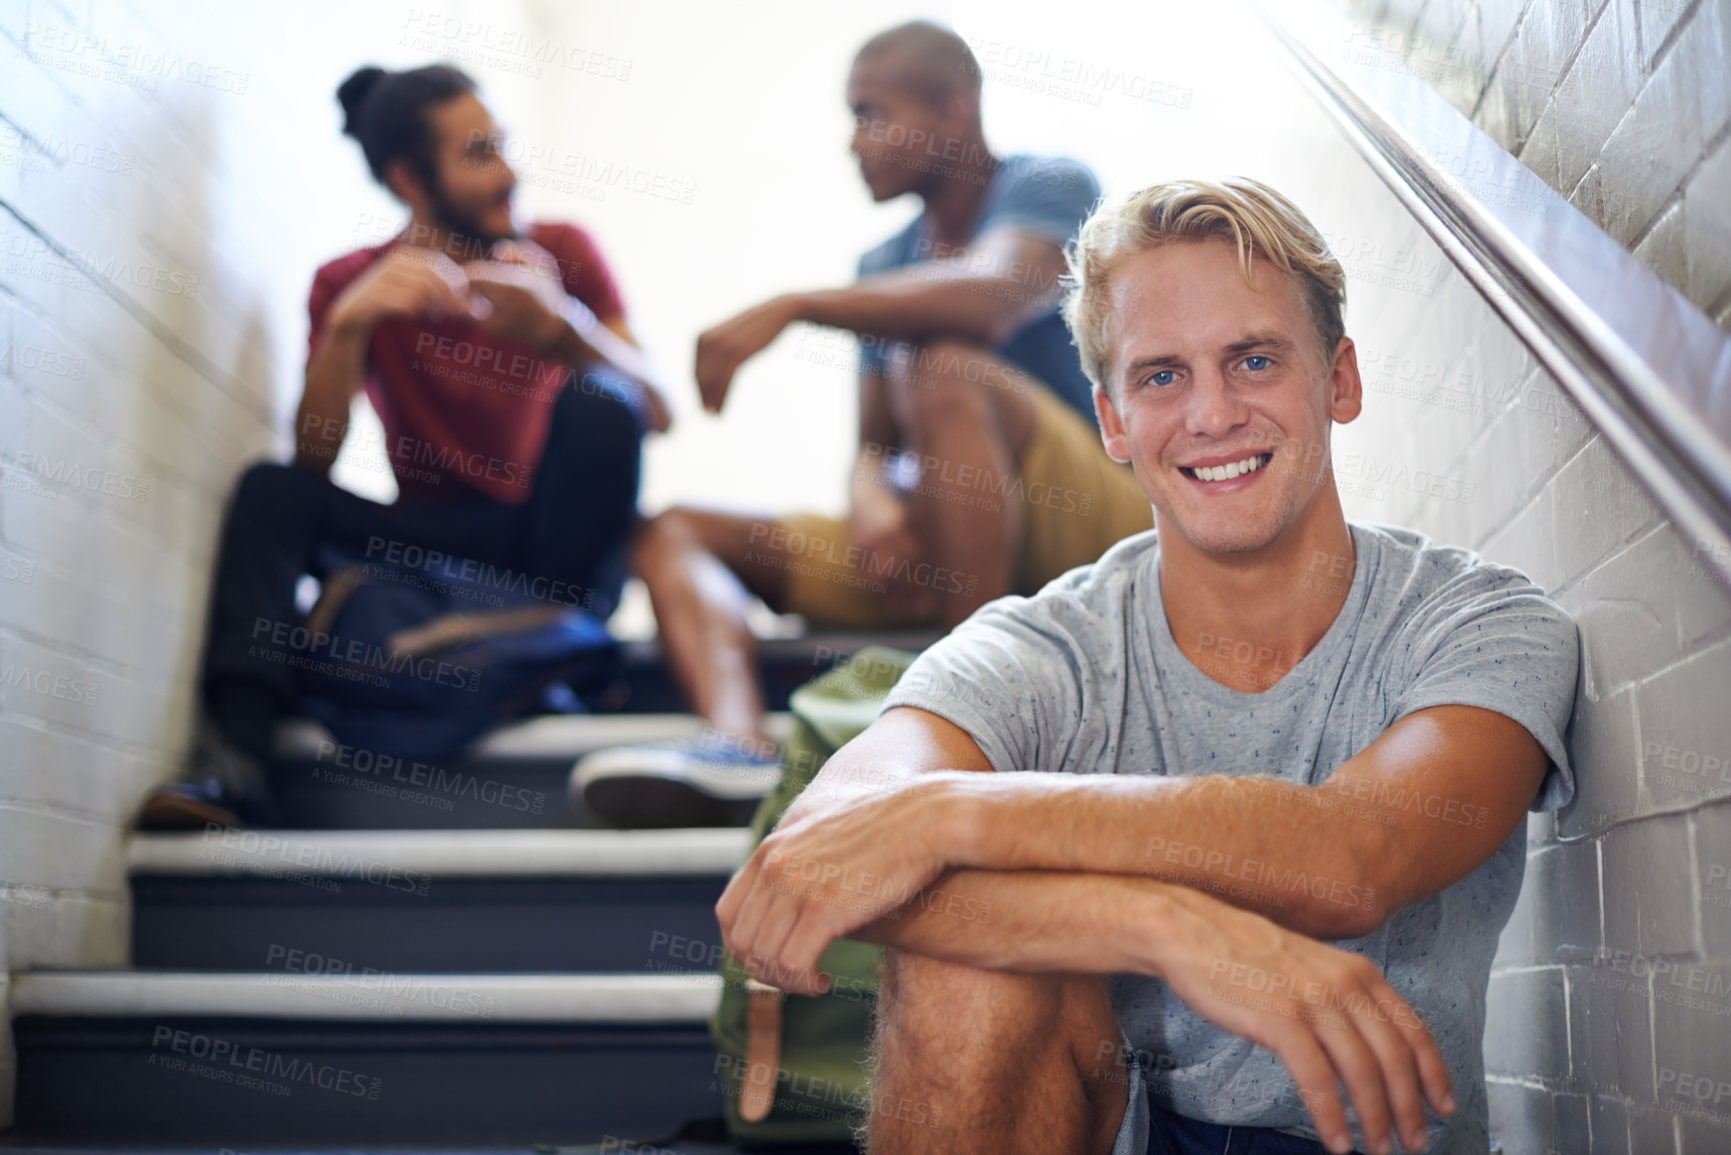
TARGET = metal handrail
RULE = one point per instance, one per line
(1652, 393)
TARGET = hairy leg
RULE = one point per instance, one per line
(968, 1060)
(701, 568)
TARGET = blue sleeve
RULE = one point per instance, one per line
(1491, 638)
(1047, 196)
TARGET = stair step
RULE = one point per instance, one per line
(419, 997)
(784, 665)
(422, 1058)
(516, 777)
(413, 901)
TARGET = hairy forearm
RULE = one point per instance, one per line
(1283, 850)
(334, 376)
(1030, 921)
(921, 303)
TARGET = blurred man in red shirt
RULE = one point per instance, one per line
(510, 390)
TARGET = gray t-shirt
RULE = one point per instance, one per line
(1085, 677)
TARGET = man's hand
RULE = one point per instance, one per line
(722, 349)
(827, 873)
(521, 284)
(407, 281)
(1328, 1014)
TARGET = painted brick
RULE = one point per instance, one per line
(1498, 21)
(1608, 1118)
(1604, 750)
(1691, 1040)
(94, 931)
(1657, 19)
(1662, 137)
(1541, 829)
(1564, 880)
(1704, 1134)
(1663, 249)
(1652, 1132)
(1713, 869)
(1528, 543)
(1498, 112)
(1650, 894)
(1515, 948)
(1527, 1024)
(58, 851)
(1701, 595)
(1595, 95)
(1610, 1031)
(1598, 507)
(1685, 748)
(1533, 67)
(1523, 1117)
(1572, 1126)
(1707, 229)
(1535, 431)
(1440, 21)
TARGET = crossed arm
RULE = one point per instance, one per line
(903, 839)
(1415, 811)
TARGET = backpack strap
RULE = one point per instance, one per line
(762, 1050)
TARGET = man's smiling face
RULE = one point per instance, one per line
(1213, 376)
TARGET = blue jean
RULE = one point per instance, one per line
(1150, 1129)
(574, 527)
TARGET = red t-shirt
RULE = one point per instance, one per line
(465, 411)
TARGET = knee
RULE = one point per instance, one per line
(922, 1000)
(668, 533)
(609, 402)
(268, 485)
(942, 378)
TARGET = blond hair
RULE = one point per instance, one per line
(1255, 218)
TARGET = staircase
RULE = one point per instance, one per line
(450, 955)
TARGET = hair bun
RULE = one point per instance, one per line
(352, 95)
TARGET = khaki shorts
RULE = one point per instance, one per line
(1077, 504)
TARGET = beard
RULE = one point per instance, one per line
(464, 223)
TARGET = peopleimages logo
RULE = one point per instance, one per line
(32, 470)
(20, 247)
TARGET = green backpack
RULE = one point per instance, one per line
(819, 1087)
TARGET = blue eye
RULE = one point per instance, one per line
(1159, 374)
(1256, 357)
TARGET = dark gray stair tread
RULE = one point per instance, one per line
(398, 901)
(436, 1082)
(517, 777)
(510, 924)
(202, 1057)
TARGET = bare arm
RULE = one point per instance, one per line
(405, 282)
(1413, 813)
(1326, 1013)
(531, 307)
(980, 296)
(334, 376)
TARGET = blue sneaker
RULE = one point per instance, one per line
(711, 780)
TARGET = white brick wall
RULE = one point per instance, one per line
(180, 152)
(1611, 997)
